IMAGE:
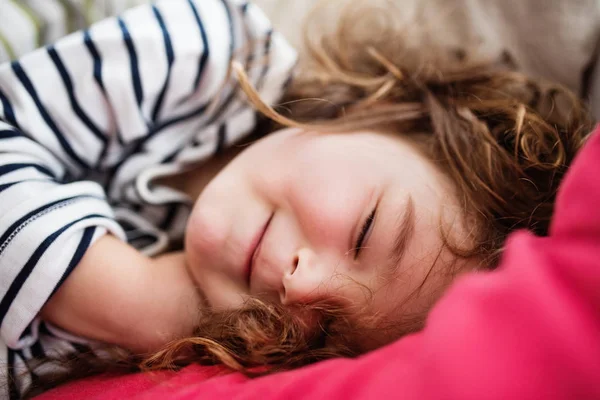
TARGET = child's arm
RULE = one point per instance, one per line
(143, 302)
(127, 95)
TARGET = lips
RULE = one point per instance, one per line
(255, 249)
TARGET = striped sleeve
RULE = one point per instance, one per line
(45, 227)
(98, 103)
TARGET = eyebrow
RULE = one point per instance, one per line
(404, 229)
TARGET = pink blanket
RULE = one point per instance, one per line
(529, 330)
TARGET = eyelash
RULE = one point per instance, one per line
(363, 232)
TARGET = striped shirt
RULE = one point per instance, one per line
(87, 126)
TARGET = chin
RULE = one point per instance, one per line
(222, 295)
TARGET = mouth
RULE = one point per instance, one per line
(255, 249)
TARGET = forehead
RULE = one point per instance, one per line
(321, 152)
(356, 142)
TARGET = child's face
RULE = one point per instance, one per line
(305, 199)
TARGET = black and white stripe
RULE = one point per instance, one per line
(87, 123)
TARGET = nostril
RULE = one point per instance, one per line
(295, 264)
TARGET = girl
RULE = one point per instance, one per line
(328, 239)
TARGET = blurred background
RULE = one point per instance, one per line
(554, 39)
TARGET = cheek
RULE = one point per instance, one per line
(204, 230)
(202, 239)
(213, 218)
(325, 204)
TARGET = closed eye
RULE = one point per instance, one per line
(365, 230)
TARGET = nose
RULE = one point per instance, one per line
(306, 281)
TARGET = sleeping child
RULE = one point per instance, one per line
(147, 203)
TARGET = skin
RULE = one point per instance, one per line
(311, 194)
(315, 191)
